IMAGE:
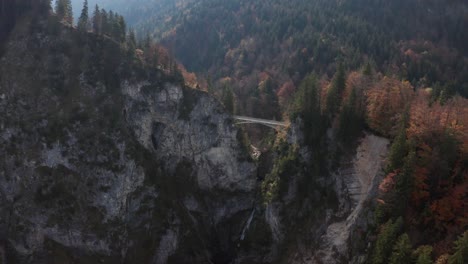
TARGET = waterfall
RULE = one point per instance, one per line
(246, 227)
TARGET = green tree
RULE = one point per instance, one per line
(131, 39)
(461, 250)
(97, 20)
(105, 27)
(83, 21)
(147, 42)
(404, 184)
(228, 99)
(367, 71)
(401, 251)
(131, 44)
(63, 10)
(308, 106)
(122, 28)
(210, 87)
(399, 148)
(423, 255)
(334, 94)
(350, 123)
(385, 241)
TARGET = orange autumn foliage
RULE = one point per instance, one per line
(386, 100)
(420, 192)
(285, 92)
(430, 121)
(189, 77)
(450, 211)
(388, 183)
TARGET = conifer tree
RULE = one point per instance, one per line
(423, 255)
(461, 250)
(334, 94)
(111, 25)
(131, 44)
(399, 147)
(97, 21)
(104, 22)
(404, 184)
(131, 41)
(367, 71)
(385, 241)
(309, 103)
(122, 28)
(146, 42)
(64, 12)
(84, 18)
(228, 99)
(402, 251)
(350, 123)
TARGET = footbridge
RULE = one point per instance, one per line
(251, 120)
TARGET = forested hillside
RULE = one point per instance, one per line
(423, 42)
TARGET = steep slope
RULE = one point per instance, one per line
(104, 160)
(357, 183)
(422, 41)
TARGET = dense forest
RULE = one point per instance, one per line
(242, 43)
(396, 68)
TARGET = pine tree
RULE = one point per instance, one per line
(63, 10)
(60, 9)
(112, 27)
(350, 123)
(385, 241)
(461, 250)
(423, 255)
(228, 99)
(104, 22)
(69, 12)
(131, 39)
(131, 44)
(404, 184)
(122, 28)
(84, 18)
(367, 71)
(334, 94)
(399, 148)
(147, 42)
(97, 20)
(309, 107)
(402, 251)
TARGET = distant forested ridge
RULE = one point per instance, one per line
(420, 41)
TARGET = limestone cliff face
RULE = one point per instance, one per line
(181, 124)
(143, 170)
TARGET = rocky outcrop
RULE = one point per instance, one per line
(144, 170)
(182, 125)
(357, 183)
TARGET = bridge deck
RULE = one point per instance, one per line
(260, 121)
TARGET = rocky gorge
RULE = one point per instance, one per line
(116, 163)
